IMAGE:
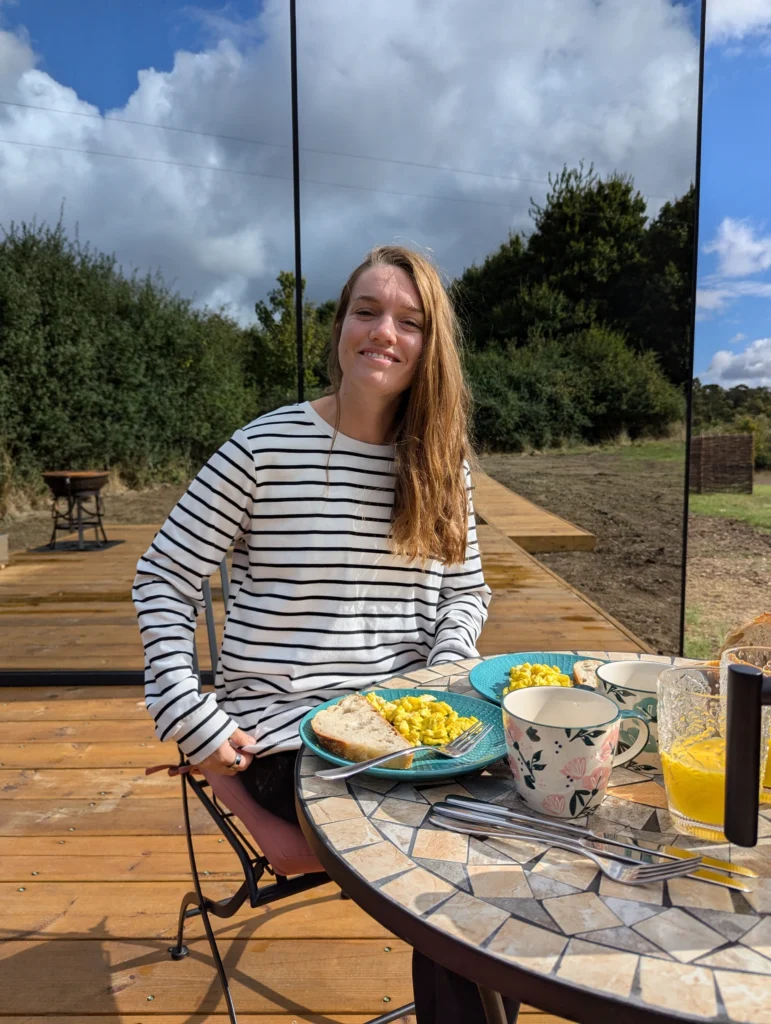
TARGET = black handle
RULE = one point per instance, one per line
(742, 773)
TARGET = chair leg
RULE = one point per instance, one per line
(180, 951)
(198, 898)
(392, 1015)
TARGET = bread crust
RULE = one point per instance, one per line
(364, 748)
(756, 633)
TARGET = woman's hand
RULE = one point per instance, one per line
(223, 760)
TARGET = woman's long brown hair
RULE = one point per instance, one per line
(430, 513)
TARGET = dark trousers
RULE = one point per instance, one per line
(441, 996)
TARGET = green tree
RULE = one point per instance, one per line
(272, 364)
(588, 241)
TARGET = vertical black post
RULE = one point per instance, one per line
(692, 338)
(298, 275)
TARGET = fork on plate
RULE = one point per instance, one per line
(458, 747)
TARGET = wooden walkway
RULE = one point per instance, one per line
(72, 610)
(92, 857)
(529, 525)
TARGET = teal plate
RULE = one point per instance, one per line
(489, 677)
(426, 765)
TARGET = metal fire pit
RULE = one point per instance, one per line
(77, 503)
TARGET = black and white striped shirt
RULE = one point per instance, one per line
(318, 606)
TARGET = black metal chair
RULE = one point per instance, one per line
(215, 794)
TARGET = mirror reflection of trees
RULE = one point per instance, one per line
(542, 160)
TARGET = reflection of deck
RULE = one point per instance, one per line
(529, 525)
(72, 610)
(92, 859)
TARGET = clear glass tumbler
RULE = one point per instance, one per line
(692, 723)
(760, 657)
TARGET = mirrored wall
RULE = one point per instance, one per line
(544, 155)
(729, 538)
(146, 200)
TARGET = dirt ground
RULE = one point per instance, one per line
(634, 507)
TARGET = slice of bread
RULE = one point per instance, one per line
(354, 730)
(756, 633)
(585, 672)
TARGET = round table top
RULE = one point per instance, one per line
(544, 925)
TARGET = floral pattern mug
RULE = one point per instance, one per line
(633, 684)
(561, 744)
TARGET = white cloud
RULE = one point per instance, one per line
(734, 19)
(752, 366)
(737, 338)
(740, 251)
(716, 296)
(514, 90)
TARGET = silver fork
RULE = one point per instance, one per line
(464, 744)
(615, 869)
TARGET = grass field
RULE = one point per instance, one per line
(754, 509)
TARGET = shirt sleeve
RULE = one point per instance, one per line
(463, 602)
(168, 595)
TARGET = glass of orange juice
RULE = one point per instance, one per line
(692, 723)
(760, 657)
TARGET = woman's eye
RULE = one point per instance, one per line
(364, 312)
(411, 323)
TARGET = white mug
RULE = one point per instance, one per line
(561, 744)
(633, 685)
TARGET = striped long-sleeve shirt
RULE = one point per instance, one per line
(318, 606)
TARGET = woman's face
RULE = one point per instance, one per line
(382, 333)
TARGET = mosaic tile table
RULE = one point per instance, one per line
(543, 925)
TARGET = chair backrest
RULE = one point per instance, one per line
(211, 627)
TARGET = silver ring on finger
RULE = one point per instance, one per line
(237, 763)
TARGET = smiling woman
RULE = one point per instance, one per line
(356, 555)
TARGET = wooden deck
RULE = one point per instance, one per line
(92, 857)
(529, 525)
(72, 610)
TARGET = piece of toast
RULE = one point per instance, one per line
(756, 633)
(585, 672)
(353, 729)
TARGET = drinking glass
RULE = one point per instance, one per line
(692, 742)
(760, 657)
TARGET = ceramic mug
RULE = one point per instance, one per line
(561, 744)
(633, 684)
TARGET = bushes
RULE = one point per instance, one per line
(589, 388)
(99, 370)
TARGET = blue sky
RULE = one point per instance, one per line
(735, 214)
(219, 68)
(96, 47)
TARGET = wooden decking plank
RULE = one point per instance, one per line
(135, 817)
(149, 910)
(74, 858)
(121, 709)
(84, 784)
(529, 525)
(33, 695)
(129, 731)
(533, 1017)
(86, 755)
(110, 976)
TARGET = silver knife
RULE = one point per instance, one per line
(517, 831)
(480, 806)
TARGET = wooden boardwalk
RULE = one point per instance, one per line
(529, 525)
(92, 857)
(72, 610)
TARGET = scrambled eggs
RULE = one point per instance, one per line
(535, 675)
(422, 720)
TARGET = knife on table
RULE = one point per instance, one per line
(461, 821)
(672, 852)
